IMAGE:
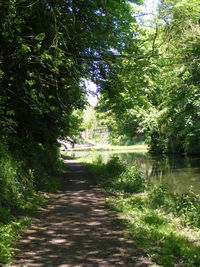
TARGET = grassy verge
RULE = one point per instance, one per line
(13, 222)
(9, 233)
(20, 193)
(141, 147)
(166, 226)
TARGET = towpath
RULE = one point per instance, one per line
(76, 229)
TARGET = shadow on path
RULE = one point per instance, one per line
(75, 229)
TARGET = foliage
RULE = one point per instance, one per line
(149, 83)
(43, 63)
(187, 206)
(154, 91)
(161, 236)
(48, 58)
(47, 49)
(90, 119)
(116, 175)
(165, 225)
(114, 167)
(14, 184)
(75, 126)
(157, 195)
(90, 123)
(17, 193)
(8, 234)
(131, 180)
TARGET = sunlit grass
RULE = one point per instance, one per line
(101, 147)
(11, 226)
(35, 202)
(157, 233)
(9, 233)
(166, 227)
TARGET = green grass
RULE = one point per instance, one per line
(102, 147)
(165, 226)
(9, 233)
(157, 233)
(20, 195)
(13, 222)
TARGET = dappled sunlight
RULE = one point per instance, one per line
(75, 229)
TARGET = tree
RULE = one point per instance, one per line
(47, 48)
(179, 123)
(157, 93)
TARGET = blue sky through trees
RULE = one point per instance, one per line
(149, 11)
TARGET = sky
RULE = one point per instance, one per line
(150, 5)
(148, 8)
(92, 99)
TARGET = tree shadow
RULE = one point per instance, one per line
(75, 229)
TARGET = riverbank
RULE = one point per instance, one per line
(179, 172)
(166, 227)
(141, 147)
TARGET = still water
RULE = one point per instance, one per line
(180, 173)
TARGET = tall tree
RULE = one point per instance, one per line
(47, 47)
(158, 92)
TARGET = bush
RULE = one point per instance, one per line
(15, 184)
(21, 174)
(188, 206)
(115, 166)
(45, 163)
(8, 235)
(157, 195)
(118, 176)
(131, 181)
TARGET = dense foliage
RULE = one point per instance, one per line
(155, 89)
(148, 78)
(47, 50)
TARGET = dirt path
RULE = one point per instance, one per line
(76, 229)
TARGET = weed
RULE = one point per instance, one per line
(157, 195)
(115, 167)
(19, 182)
(8, 234)
(131, 180)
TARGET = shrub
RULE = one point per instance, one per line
(131, 181)
(15, 184)
(157, 195)
(45, 163)
(115, 167)
(98, 160)
(118, 176)
(188, 206)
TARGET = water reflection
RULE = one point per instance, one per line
(181, 173)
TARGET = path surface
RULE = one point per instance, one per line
(76, 229)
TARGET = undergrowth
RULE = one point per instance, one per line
(21, 183)
(166, 226)
(9, 233)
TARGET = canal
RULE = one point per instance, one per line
(181, 173)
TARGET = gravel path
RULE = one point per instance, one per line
(76, 229)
